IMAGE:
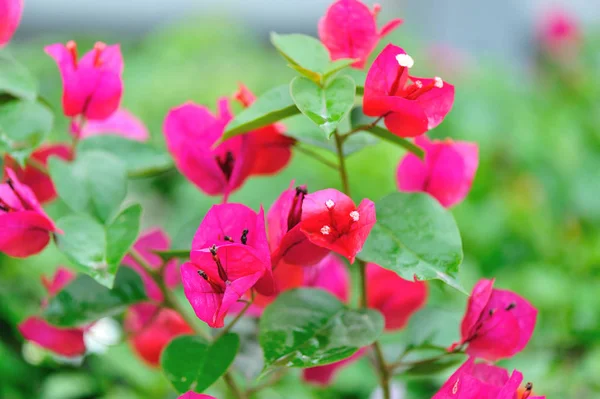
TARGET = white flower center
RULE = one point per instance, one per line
(419, 84)
(405, 60)
(439, 83)
(325, 230)
(354, 215)
(329, 203)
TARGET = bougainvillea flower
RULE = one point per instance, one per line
(324, 375)
(122, 123)
(285, 277)
(396, 298)
(151, 328)
(559, 33)
(287, 241)
(230, 255)
(475, 381)
(191, 131)
(194, 395)
(10, 16)
(39, 182)
(92, 85)
(409, 105)
(349, 30)
(271, 148)
(24, 226)
(331, 220)
(446, 173)
(497, 324)
(149, 241)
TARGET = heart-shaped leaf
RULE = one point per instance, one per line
(191, 363)
(15, 79)
(84, 300)
(310, 327)
(305, 54)
(415, 237)
(325, 106)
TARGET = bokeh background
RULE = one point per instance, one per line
(532, 220)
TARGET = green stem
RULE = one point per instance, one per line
(237, 318)
(237, 392)
(363, 283)
(363, 127)
(316, 156)
(384, 372)
(401, 363)
(339, 145)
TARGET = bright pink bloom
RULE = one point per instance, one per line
(482, 381)
(230, 255)
(39, 182)
(331, 220)
(410, 105)
(272, 150)
(287, 241)
(349, 30)
(498, 323)
(122, 123)
(191, 131)
(154, 240)
(92, 85)
(194, 395)
(62, 277)
(396, 298)
(447, 172)
(10, 16)
(151, 328)
(559, 33)
(331, 275)
(24, 226)
(285, 277)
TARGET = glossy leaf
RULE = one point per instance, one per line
(305, 54)
(23, 126)
(96, 182)
(359, 78)
(191, 363)
(415, 237)
(15, 79)
(325, 106)
(310, 327)
(121, 233)
(84, 300)
(275, 105)
(140, 159)
(337, 66)
(173, 254)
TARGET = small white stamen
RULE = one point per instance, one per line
(455, 387)
(329, 203)
(439, 83)
(325, 230)
(405, 60)
(419, 84)
(354, 215)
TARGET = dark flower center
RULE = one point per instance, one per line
(295, 214)
(226, 163)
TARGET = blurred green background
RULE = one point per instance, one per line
(532, 220)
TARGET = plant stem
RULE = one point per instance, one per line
(363, 283)
(316, 156)
(236, 319)
(339, 144)
(363, 127)
(237, 392)
(400, 363)
(34, 163)
(384, 373)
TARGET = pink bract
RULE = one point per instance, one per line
(396, 298)
(349, 30)
(121, 123)
(92, 85)
(66, 342)
(446, 173)
(559, 33)
(194, 395)
(331, 275)
(409, 105)
(24, 226)
(191, 131)
(10, 16)
(331, 220)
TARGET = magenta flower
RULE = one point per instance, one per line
(92, 85)
(349, 30)
(230, 255)
(396, 298)
(331, 220)
(149, 241)
(473, 380)
(122, 123)
(409, 105)
(39, 182)
(191, 131)
(559, 33)
(194, 395)
(446, 173)
(287, 241)
(498, 323)
(10, 16)
(272, 150)
(66, 342)
(24, 226)
(150, 328)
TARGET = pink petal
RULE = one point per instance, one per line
(497, 338)
(110, 58)
(390, 26)
(90, 91)
(437, 102)
(24, 233)
(480, 296)
(509, 389)
(121, 123)
(62, 277)
(62, 57)
(331, 275)
(381, 78)
(490, 374)
(194, 395)
(272, 150)
(10, 16)
(66, 342)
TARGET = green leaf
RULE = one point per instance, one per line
(97, 249)
(415, 237)
(359, 77)
(337, 66)
(324, 106)
(96, 182)
(173, 253)
(434, 366)
(23, 127)
(191, 363)
(15, 79)
(386, 135)
(310, 327)
(84, 300)
(140, 159)
(305, 54)
(273, 106)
